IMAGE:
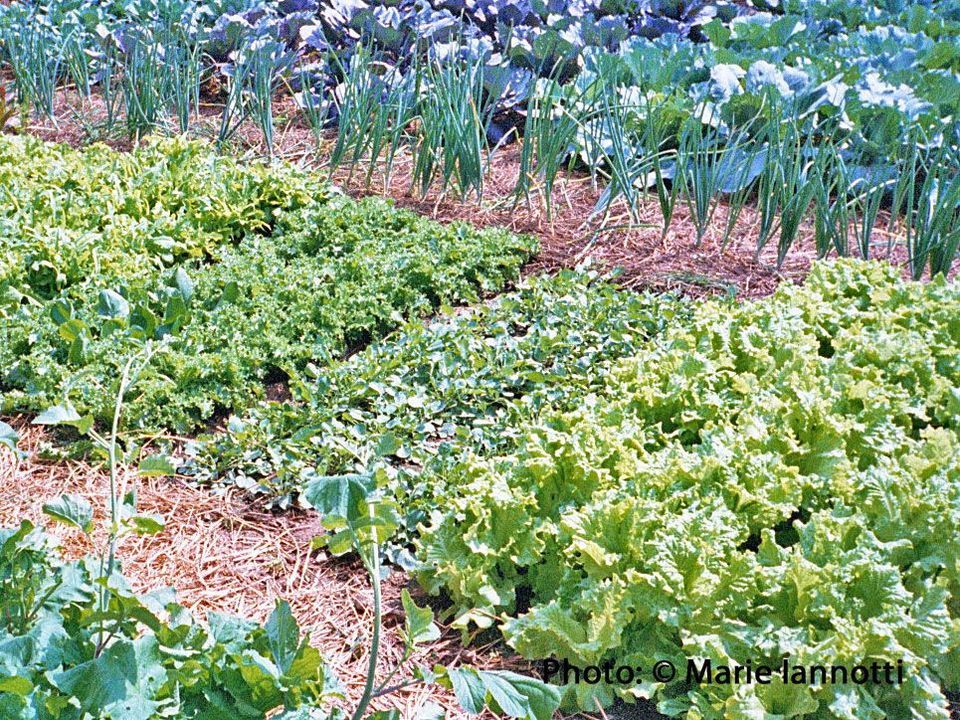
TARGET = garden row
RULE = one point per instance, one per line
(779, 479)
(819, 111)
(244, 274)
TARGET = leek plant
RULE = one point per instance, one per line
(36, 59)
(933, 225)
(549, 133)
(454, 116)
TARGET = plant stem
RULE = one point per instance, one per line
(111, 446)
(374, 569)
(112, 450)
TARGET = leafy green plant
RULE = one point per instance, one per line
(157, 660)
(759, 482)
(9, 438)
(173, 665)
(123, 519)
(413, 403)
(131, 655)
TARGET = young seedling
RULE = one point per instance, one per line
(123, 519)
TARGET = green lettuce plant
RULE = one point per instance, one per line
(767, 480)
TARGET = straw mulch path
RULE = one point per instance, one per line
(222, 553)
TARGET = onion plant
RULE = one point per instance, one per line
(269, 61)
(868, 196)
(771, 181)
(797, 190)
(186, 68)
(144, 83)
(372, 112)
(626, 142)
(743, 158)
(623, 148)
(316, 109)
(903, 198)
(392, 119)
(656, 140)
(712, 160)
(831, 201)
(77, 60)
(235, 108)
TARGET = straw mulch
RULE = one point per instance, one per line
(222, 553)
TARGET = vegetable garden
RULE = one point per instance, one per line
(340, 277)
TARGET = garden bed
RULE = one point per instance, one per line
(626, 331)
